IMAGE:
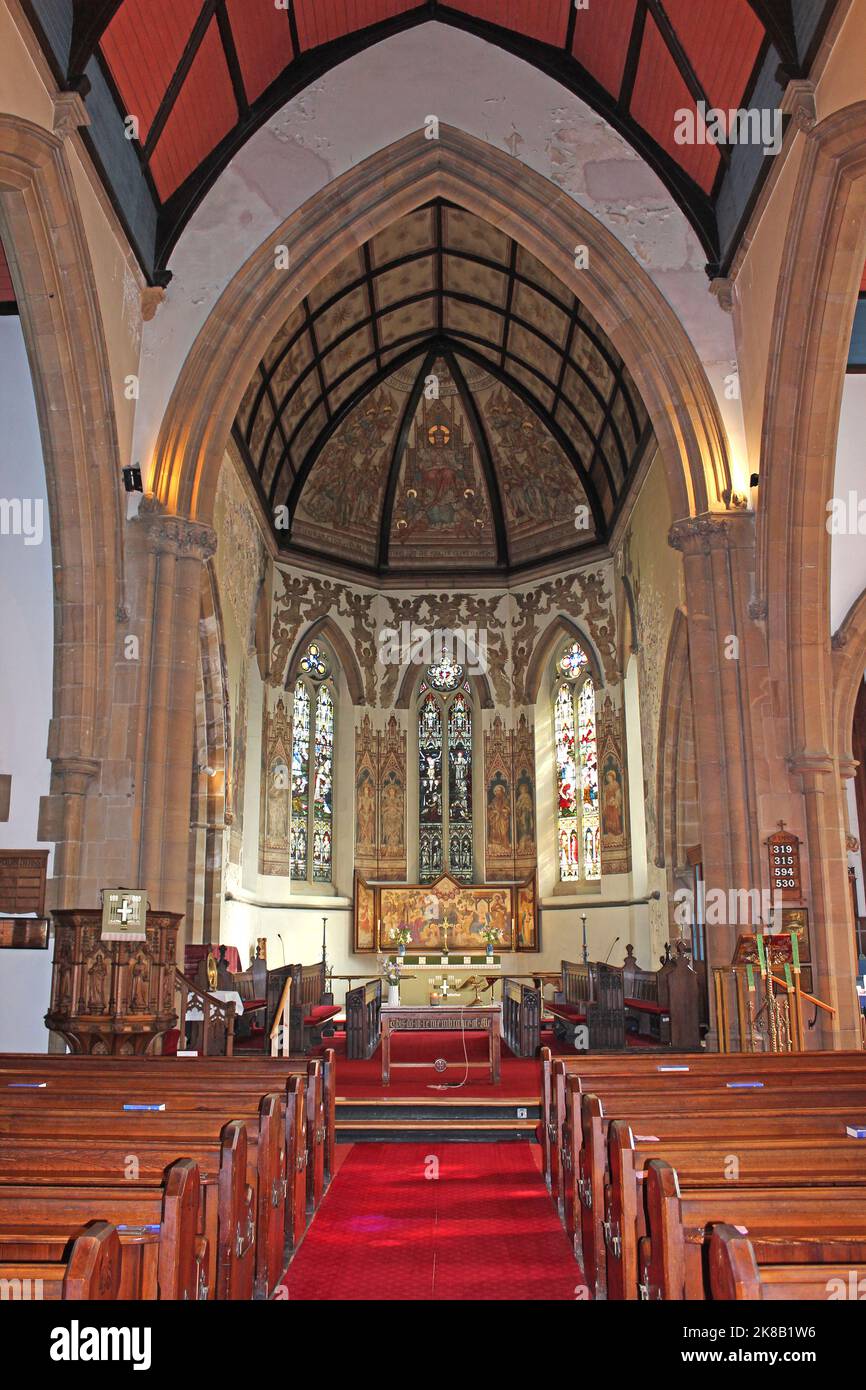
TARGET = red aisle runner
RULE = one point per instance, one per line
(484, 1229)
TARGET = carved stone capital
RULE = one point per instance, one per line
(151, 298)
(799, 103)
(700, 533)
(758, 610)
(811, 763)
(168, 534)
(70, 114)
(723, 289)
(76, 773)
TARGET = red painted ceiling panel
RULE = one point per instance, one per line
(7, 293)
(659, 92)
(263, 41)
(601, 39)
(143, 45)
(545, 20)
(204, 112)
(319, 22)
(722, 43)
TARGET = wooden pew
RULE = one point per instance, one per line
(521, 1017)
(554, 1073)
(363, 1011)
(100, 1157)
(665, 1004)
(247, 1075)
(267, 1170)
(785, 1226)
(312, 1006)
(91, 1271)
(591, 997)
(162, 1254)
(763, 1163)
(736, 1274)
(667, 1120)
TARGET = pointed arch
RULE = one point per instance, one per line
(556, 631)
(473, 174)
(46, 246)
(413, 675)
(331, 632)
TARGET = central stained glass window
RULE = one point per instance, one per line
(445, 776)
(577, 823)
(313, 726)
(445, 674)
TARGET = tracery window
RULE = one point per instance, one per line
(313, 727)
(445, 797)
(576, 753)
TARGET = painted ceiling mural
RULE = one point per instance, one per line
(439, 399)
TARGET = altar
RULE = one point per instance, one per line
(451, 1018)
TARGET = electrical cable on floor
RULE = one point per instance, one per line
(455, 1085)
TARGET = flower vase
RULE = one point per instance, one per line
(489, 952)
(401, 949)
(393, 994)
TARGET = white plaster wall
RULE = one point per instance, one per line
(376, 98)
(848, 549)
(26, 657)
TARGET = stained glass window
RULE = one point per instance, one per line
(313, 721)
(577, 825)
(323, 787)
(445, 738)
(300, 779)
(445, 674)
(313, 662)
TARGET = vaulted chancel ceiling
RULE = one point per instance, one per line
(441, 399)
(200, 76)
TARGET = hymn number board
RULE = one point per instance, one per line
(784, 850)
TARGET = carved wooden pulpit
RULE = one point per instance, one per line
(112, 996)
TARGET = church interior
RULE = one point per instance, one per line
(433, 738)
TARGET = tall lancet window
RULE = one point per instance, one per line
(445, 773)
(313, 727)
(577, 825)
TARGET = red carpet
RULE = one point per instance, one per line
(484, 1230)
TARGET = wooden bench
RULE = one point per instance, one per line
(736, 1274)
(745, 1117)
(663, 1005)
(785, 1226)
(554, 1074)
(590, 998)
(521, 1017)
(363, 1011)
(162, 1253)
(245, 1076)
(91, 1271)
(765, 1163)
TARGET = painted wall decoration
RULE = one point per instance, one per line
(613, 796)
(365, 920)
(528, 924)
(392, 801)
(509, 773)
(239, 770)
(274, 818)
(446, 912)
(380, 799)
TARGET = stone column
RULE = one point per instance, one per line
(180, 547)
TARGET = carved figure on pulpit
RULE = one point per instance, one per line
(138, 996)
(96, 984)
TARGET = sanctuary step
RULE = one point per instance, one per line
(442, 1120)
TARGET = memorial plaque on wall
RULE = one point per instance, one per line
(783, 849)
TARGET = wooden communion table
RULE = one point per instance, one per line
(441, 1018)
